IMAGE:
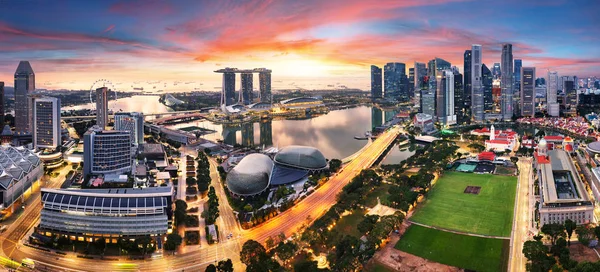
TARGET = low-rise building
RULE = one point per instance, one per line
(88, 214)
(500, 140)
(20, 169)
(563, 194)
(424, 122)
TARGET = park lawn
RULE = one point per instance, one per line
(347, 224)
(381, 192)
(468, 252)
(488, 213)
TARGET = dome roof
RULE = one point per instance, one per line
(542, 143)
(251, 175)
(304, 157)
(594, 147)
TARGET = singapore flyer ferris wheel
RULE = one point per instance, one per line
(99, 84)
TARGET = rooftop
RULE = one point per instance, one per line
(122, 192)
(560, 180)
(251, 175)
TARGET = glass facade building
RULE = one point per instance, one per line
(46, 122)
(24, 84)
(106, 152)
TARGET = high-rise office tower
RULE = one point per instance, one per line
(132, 122)
(428, 102)
(496, 71)
(570, 93)
(106, 151)
(477, 101)
(445, 97)
(2, 103)
(487, 78)
(517, 73)
(552, 105)
(394, 76)
(528, 91)
(46, 122)
(420, 74)
(411, 83)
(264, 80)
(246, 95)
(458, 97)
(467, 83)
(102, 107)
(376, 82)
(24, 84)
(506, 82)
(435, 68)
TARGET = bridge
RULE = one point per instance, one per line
(146, 115)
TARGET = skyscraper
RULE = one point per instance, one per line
(24, 84)
(445, 97)
(427, 103)
(246, 95)
(411, 83)
(420, 74)
(570, 91)
(458, 97)
(518, 65)
(528, 91)
(506, 82)
(46, 122)
(264, 80)
(106, 151)
(477, 100)
(132, 122)
(228, 87)
(487, 77)
(467, 83)
(1, 103)
(102, 107)
(394, 76)
(496, 71)
(552, 105)
(376, 82)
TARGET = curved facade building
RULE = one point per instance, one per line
(251, 176)
(303, 157)
(84, 214)
(106, 151)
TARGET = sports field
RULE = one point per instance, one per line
(489, 213)
(469, 252)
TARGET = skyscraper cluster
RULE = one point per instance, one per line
(498, 92)
(246, 93)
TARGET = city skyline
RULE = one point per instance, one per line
(322, 41)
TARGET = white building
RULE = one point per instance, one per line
(424, 122)
(106, 152)
(563, 195)
(500, 140)
(445, 97)
(46, 122)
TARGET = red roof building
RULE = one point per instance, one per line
(486, 156)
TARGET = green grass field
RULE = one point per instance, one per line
(488, 213)
(469, 252)
(381, 192)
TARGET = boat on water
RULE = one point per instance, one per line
(366, 137)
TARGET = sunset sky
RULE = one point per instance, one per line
(310, 42)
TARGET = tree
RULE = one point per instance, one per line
(597, 232)
(270, 242)
(286, 251)
(334, 165)
(475, 147)
(367, 223)
(554, 231)
(540, 133)
(211, 268)
(173, 241)
(584, 234)
(225, 266)
(252, 252)
(537, 254)
(306, 266)
(570, 227)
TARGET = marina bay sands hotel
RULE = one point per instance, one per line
(246, 95)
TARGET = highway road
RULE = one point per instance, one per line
(287, 222)
(523, 215)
